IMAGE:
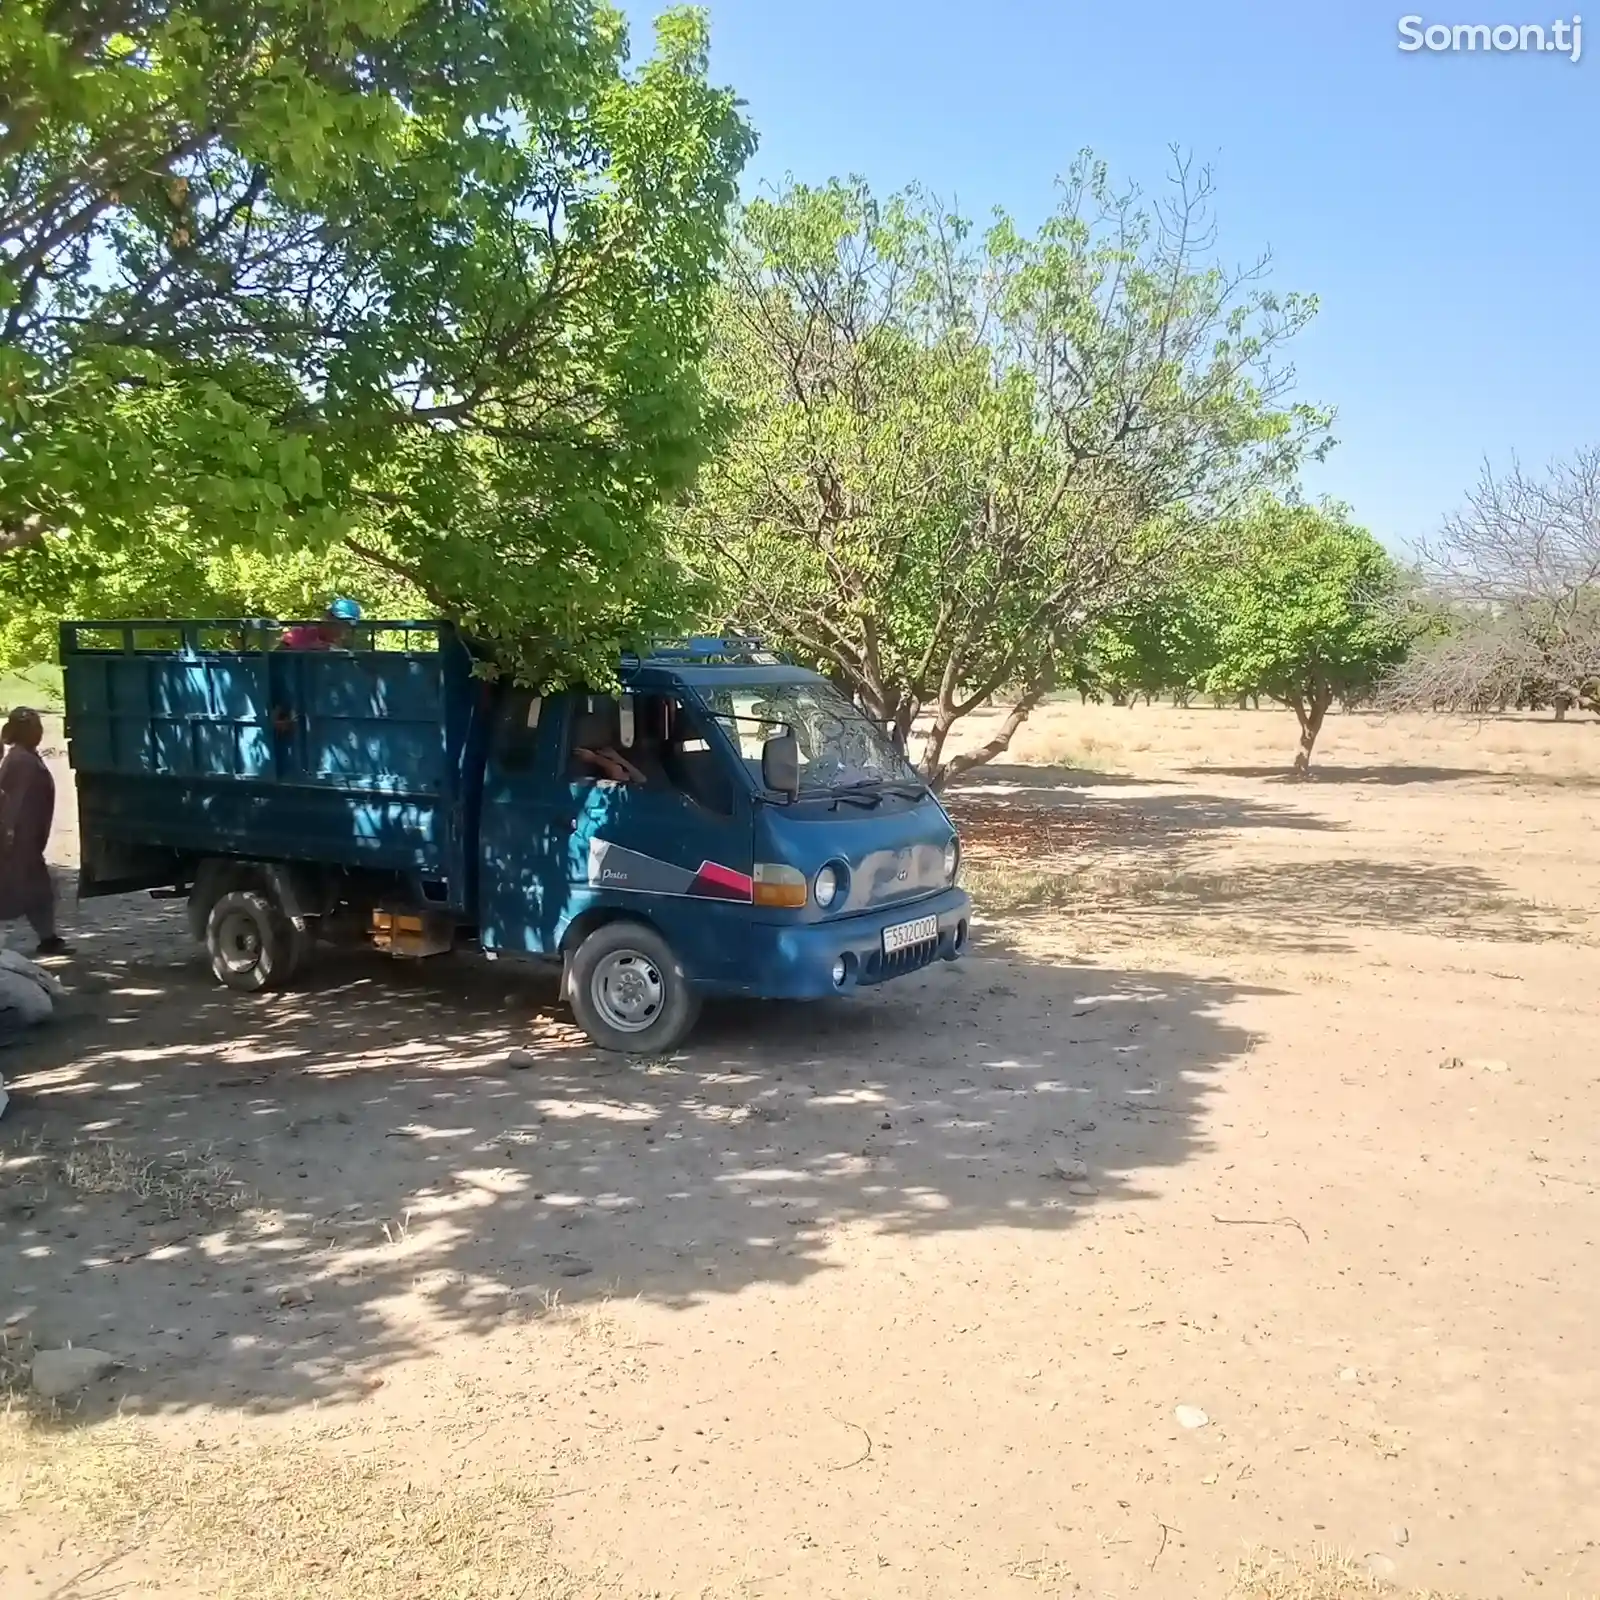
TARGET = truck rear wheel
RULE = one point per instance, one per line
(252, 943)
(628, 990)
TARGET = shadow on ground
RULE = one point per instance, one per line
(1309, 905)
(395, 1157)
(1401, 776)
(1040, 811)
(1300, 907)
(1396, 776)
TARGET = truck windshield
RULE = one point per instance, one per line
(839, 748)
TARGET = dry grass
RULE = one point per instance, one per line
(1326, 1576)
(287, 1520)
(181, 1183)
(1000, 887)
(1079, 753)
(16, 1366)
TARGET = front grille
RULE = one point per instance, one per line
(880, 967)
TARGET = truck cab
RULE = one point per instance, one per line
(718, 823)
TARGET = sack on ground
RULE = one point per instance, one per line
(16, 962)
(27, 992)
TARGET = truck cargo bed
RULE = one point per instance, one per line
(201, 739)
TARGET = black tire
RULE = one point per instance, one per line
(628, 990)
(252, 943)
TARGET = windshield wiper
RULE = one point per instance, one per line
(864, 792)
(902, 787)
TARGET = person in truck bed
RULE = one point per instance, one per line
(332, 633)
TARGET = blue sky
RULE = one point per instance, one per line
(1443, 207)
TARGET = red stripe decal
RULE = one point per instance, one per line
(713, 877)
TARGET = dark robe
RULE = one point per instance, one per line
(27, 808)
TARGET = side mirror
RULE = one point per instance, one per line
(780, 764)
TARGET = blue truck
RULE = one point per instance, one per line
(722, 823)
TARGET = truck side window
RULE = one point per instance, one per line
(516, 730)
(516, 740)
(692, 763)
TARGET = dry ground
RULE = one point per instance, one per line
(811, 1310)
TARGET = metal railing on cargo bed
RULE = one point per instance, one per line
(204, 736)
(218, 698)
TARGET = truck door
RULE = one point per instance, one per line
(667, 827)
(615, 801)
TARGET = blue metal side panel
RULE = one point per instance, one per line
(368, 722)
(361, 758)
(154, 713)
(273, 822)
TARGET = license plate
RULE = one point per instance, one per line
(908, 933)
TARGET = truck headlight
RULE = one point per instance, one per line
(826, 888)
(952, 859)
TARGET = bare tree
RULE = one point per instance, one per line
(1517, 576)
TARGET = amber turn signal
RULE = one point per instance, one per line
(778, 885)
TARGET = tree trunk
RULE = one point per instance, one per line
(939, 772)
(904, 718)
(1309, 713)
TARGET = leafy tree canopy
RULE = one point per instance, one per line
(169, 573)
(1304, 607)
(959, 452)
(424, 279)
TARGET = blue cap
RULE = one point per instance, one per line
(344, 610)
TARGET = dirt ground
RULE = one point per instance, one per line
(822, 1307)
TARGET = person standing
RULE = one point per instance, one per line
(27, 810)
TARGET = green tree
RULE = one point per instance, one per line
(169, 573)
(424, 278)
(1306, 608)
(959, 453)
(1160, 644)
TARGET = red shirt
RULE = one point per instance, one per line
(307, 636)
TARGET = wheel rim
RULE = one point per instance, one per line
(628, 991)
(239, 942)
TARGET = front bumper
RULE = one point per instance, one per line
(801, 961)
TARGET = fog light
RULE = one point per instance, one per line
(840, 973)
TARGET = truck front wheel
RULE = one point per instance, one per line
(252, 943)
(628, 990)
